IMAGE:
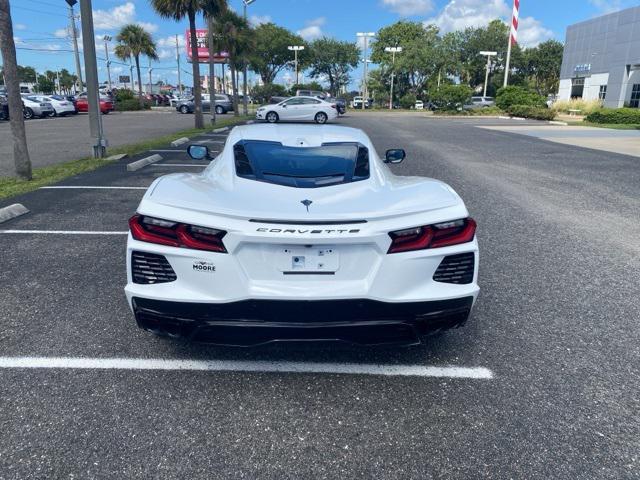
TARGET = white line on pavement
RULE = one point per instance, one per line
(180, 165)
(64, 232)
(62, 187)
(171, 151)
(209, 141)
(475, 373)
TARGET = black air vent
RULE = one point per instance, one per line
(456, 269)
(147, 268)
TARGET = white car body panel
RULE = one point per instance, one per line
(249, 211)
(61, 107)
(290, 110)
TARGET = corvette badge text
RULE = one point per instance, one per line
(302, 231)
(202, 266)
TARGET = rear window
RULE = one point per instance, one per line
(301, 167)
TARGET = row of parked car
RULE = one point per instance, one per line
(42, 106)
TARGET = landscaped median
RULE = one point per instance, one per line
(11, 186)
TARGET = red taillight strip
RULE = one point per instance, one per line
(432, 237)
(176, 236)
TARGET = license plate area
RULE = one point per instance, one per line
(318, 260)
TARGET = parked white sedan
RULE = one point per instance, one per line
(61, 105)
(310, 109)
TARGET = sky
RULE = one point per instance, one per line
(40, 26)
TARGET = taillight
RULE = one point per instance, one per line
(174, 234)
(433, 236)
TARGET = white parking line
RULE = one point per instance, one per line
(170, 151)
(63, 232)
(71, 187)
(474, 373)
(209, 141)
(180, 165)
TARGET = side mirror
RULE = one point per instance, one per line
(198, 152)
(395, 155)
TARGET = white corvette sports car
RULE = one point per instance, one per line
(300, 232)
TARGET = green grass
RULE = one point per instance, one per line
(10, 186)
(615, 126)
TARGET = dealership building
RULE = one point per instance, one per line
(602, 60)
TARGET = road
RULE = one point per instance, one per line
(556, 323)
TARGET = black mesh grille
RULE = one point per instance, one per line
(456, 269)
(149, 268)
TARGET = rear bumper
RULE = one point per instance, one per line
(255, 322)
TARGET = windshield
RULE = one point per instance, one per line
(302, 167)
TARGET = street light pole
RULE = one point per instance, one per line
(393, 51)
(486, 74)
(365, 94)
(296, 49)
(150, 70)
(107, 39)
(178, 60)
(74, 36)
(245, 99)
(91, 69)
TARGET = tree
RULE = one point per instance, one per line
(178, 9)
(8, 49)
(451, 97)
(333, 59)
(543, 66)
(134, 41)
(233, 34)
(271, 54)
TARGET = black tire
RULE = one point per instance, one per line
(28, 114)
(220, 110)
(184, 109)
(272, 117)
(321, 118)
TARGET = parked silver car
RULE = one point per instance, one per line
(35, 108)
(223, 104)
(480, 102)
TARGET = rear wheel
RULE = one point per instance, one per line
(220, 110)
(321, 118)
(272, 117)
(184, 109)
(28, 113)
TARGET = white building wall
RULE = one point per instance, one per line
(592, 85)
(564, 90)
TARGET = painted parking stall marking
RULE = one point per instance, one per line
(89, 187)
(81, 363)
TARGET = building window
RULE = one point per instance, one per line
(602, 94)
(635, 96)
(577, 87)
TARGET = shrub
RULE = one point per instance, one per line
(528, 111)
(408, 100)
(513, 95)
(585, 106)
(451, 97)
(624, 116)
(264, 92)
(124, 94)
(131, 104)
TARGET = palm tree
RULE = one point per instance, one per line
(8, 50)
(133, 40)
(234, 36)
(211, 9)
(178, 9)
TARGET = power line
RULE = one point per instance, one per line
(50, 50)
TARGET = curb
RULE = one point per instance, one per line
(179, 141)
(220, 130)
(12, 211)
(120, 156)
(138, 164)
(556, 122)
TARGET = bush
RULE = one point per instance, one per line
(408, 100)
(585, 106)
(263, 93)
(528, 111)
(512, 95)
(622, 116)
(131, 104)
(124, 94)
(451, 97)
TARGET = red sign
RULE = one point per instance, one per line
(203, 48)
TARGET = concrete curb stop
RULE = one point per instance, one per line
(555, 122)
(12, 211)
(138, 164)
(179, 141)
(120, 156)
(220, 130)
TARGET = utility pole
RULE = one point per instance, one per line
(365, 95)
(178, 60)
(76, 52)
(59, 89)
(212, 71)
(91, 69)
(296, 49)
(245, 98)
(486, 74)
(393, 51)
(133, 87)
(150, 81)
(107, 39)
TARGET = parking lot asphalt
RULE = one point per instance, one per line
(556, 324)
(55, 140)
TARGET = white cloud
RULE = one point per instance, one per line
(19, 26)
(256, 20)
(607, 6)
(61, 33)
(313, 29)
(170, 42)
(165, 53)
(461, 14)
(118, 17)
(408, 8)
